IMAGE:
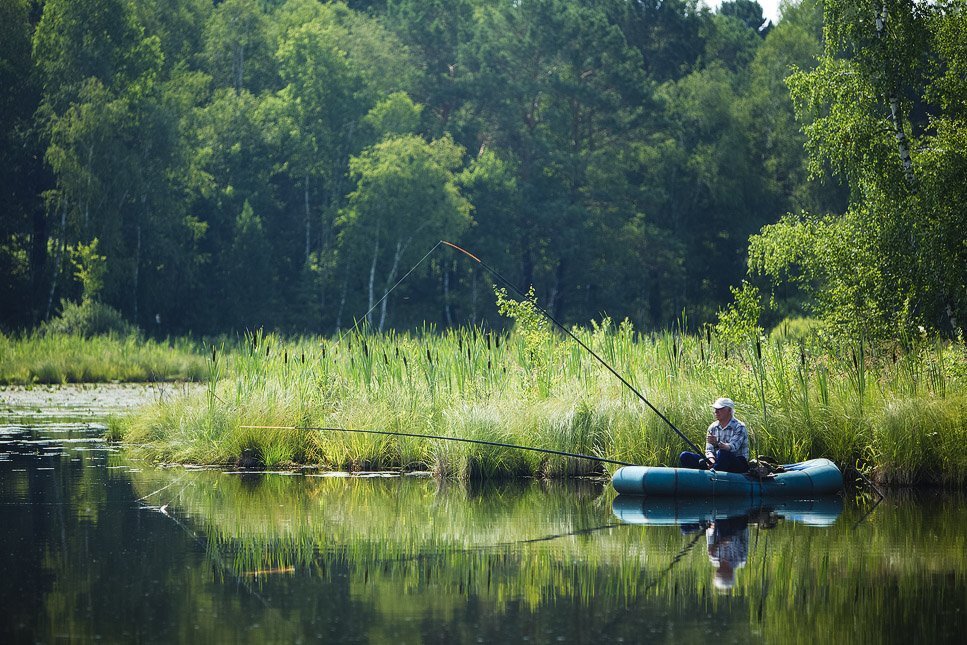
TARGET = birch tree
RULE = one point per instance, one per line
(406, 199)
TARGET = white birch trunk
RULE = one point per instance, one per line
(308, 218)
(896, 118)
(446, 294)
(389, 281)
(372, 278)
(60, 257)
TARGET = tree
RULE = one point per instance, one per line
(881, 110)
(406, 199)
(23, 230)
(555, 86)
(238, 51)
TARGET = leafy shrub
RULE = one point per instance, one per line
(89, 318)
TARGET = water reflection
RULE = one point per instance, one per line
(97, 547)
(725, 523)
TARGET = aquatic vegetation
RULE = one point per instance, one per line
(69, 358)
(892, 412)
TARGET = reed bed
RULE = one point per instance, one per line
(892, 412)
(62, 358)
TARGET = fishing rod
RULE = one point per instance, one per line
(444, 438)
(576, 339)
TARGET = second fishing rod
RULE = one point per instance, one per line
(580, 342)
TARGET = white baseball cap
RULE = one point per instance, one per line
(723, 403)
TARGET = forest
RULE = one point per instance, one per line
(187, 167)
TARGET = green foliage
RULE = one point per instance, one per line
(395, 115)
(89, 268)
(406, 198)
(531, 325)
(87, 319)
(881, 115)
(739, 322)
(614, 155)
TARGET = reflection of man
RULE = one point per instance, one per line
(728, 548)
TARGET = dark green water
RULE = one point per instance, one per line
(97, 547)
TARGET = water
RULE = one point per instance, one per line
(97, 546)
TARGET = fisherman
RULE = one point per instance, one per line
(727, 443)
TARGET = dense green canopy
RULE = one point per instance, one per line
(280, 163)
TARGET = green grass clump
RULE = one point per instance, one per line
(49, 358)
(889, 411)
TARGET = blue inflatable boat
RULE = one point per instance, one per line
(813, 478)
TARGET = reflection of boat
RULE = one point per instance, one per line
(634, 509)
(815, 477)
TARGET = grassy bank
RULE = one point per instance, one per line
(893, 411)
(63, 358)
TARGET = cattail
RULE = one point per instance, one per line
(428, 357)
(405, 364)
(758, 348)
(365, 350)
(285, 357)
(214, 357)
(488, 341)
(385, 360)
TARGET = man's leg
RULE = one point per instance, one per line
(692, 460)
(729, 463)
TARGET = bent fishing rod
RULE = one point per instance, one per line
(507, 282)
(498, 444)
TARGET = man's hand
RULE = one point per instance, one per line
(712, 440)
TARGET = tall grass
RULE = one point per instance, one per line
(890, 411)
(62, 358)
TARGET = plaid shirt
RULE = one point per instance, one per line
(734, 434)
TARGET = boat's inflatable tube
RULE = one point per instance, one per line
(667, 511)
(813, 478)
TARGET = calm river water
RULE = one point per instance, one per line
(96, 546)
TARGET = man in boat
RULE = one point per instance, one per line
(727, 443)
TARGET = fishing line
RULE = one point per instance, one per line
(431, 436)
(386, 295)
(578, 340)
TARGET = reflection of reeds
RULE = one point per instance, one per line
(411, 545)
(895, 410)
